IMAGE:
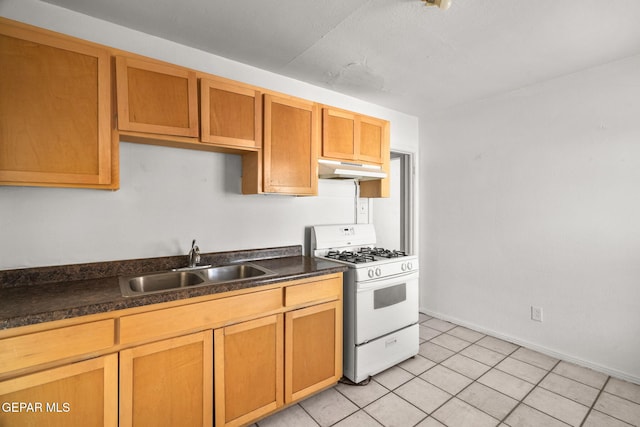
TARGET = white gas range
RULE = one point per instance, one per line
(380, 298)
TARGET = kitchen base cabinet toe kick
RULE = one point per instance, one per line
(227, 360)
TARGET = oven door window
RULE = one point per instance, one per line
(392, 295)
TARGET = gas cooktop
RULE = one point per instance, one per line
(364, 255)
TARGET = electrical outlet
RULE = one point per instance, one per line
(536, 313)
(362, 211)
(363, 207)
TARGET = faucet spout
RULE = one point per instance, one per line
(194, 254)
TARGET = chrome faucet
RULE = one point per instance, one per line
(194, 255)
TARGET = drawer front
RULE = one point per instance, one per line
(176, 320)
(322, 290)
(55, 344)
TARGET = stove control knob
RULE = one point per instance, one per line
(370, 273)
(409, 266)
(378, 272)
(403, 267)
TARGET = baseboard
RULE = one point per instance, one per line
(536, 347)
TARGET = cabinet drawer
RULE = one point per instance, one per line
(47, 346)
(175, 320)
(327, 289)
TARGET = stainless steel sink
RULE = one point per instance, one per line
(231, 272)
(176, 279)
(162, 281)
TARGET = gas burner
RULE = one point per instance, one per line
(350, 256)
(387, 253)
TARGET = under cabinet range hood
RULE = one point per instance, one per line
(334, 169)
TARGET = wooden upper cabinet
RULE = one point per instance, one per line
(157, 98)
(339, 134)
(349, 136)
(230, 115)
(374, 140)
(354, 137)
(55, 110)
(290, 146)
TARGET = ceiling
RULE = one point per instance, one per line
(399, 54)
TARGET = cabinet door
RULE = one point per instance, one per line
(340, 134)
(80, 394)
(290, 146)
(373, 140)
(55, 109)
(313, 352)
(248, 370)
(168, 383)
(230, 115)
(157, 98)
(374, 147)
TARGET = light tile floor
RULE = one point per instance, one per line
(465, 378)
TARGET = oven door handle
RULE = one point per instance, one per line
(372, 285)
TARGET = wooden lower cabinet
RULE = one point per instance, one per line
(79, 394)
(248, 370)
(168, 383)
(313, 349)
(253, 375)
(286, 344)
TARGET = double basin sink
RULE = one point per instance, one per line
(147, 283)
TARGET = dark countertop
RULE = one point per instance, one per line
(32, 296)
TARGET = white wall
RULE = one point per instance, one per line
(533, 198)
(168, 196)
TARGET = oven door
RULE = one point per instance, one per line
(385, 305)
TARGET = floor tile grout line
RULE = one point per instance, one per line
(510, 354)
(464, 388)
(307, 412)
(375, 400)
(494, 350)
(451, 335)
(594, 401)
(591, 408)
(473, 406)
(398, 396)
(577, 380)
(452, 396)
(389, 391)
(633, 402)
(491, 388)
(519, 347)
(429, 414)
(476, 381)
(521, 401)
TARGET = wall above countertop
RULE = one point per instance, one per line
(160, 206)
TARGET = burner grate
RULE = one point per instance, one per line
(388, 253)
(350, 256)
(364, 254)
